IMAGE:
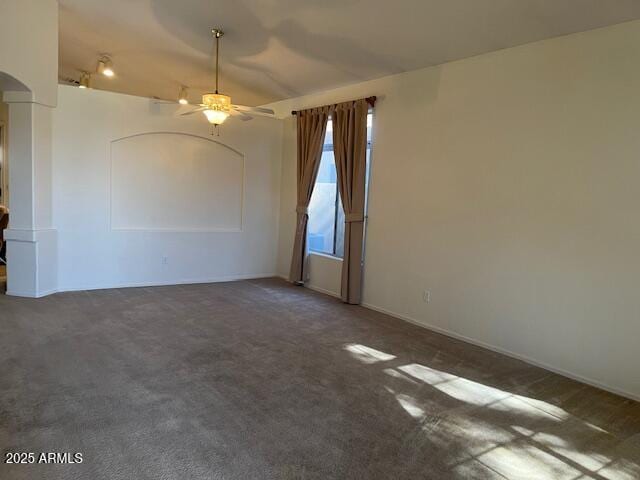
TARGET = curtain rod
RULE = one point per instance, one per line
(370, 100)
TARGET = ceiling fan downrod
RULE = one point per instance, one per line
(217, 33)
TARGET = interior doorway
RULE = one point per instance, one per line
(31, 241)
(4, 209)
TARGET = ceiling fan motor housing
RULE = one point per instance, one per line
(217, 101)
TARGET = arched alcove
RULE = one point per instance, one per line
(9, 83)
(173, 181)
(30, 238)
(10, 87)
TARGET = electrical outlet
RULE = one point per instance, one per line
(165, 260)
(426, 296)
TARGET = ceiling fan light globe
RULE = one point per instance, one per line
(216, 117)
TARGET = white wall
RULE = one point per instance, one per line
(508, 185)
(92, 255)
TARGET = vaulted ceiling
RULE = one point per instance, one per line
(275, 49)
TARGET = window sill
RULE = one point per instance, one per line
(325, 255)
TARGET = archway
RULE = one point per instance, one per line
(30, 239)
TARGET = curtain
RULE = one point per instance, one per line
(312, 126)
(350, 150)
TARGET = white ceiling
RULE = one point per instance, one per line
(275, 49)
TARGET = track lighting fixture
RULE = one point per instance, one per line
(85, 80)
(105, 66)
(182, 96)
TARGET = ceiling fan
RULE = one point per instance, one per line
(217, 107)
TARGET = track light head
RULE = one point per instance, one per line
(105, 66)
(182, 96)
(85, 80)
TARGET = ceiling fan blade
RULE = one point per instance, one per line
(255, 110)
(196, 110)
(241, 115)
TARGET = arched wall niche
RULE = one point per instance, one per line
(174, 181)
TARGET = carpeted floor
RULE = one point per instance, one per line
(264, 380)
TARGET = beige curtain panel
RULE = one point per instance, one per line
(350, 150)
(312, 126)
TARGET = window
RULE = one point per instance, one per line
(326, 217)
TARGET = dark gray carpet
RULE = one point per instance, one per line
(264, 380)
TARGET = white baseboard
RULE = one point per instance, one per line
(39, 294)
(46, 293)
(493, 348)
(312, 287)
(14, 293)
(322, 290)
(191, 281)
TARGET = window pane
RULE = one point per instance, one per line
(322, 208)
(326, 217)
(328, 136)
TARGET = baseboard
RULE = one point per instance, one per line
(493, 348)
(312, 287)
(13, 293)
(322, 290)
(44, 293)
(225, 278)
